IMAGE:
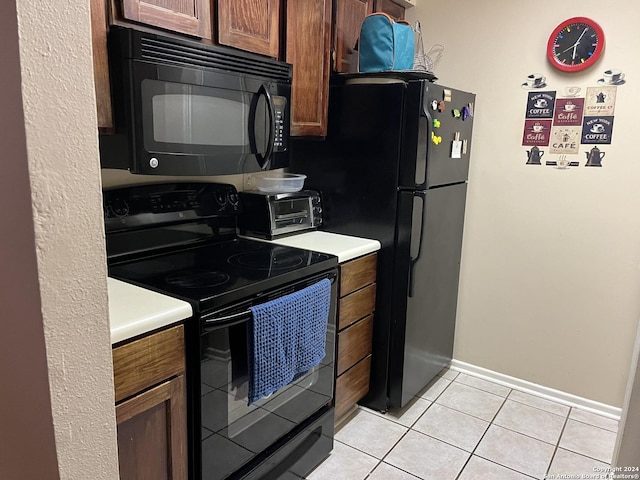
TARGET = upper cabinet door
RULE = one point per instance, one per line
(192, 17)
(101, 65)
(349, 17)
(252, 25)
(308, 46)
(391, 8)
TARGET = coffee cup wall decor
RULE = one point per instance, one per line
(571, 91)
(534, 80)
(613, 76)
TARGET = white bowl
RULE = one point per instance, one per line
(281, 183)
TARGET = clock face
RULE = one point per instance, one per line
(575, 44)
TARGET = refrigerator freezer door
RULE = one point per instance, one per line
(422, 343)
(441, 168)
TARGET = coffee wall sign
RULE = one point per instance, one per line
(561, 121)
(597, 130)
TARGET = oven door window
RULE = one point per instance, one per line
(200, 120)
(233, 432)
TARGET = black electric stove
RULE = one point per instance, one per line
(213, 275)
(180, 239)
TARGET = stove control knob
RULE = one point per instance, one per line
(120, 208)
(221, 198)
(233, 198)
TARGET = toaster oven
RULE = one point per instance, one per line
(272, 215)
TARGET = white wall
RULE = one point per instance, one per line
(549, 276)
(56, 406)
(628, 441)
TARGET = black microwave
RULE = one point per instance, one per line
(186, 108)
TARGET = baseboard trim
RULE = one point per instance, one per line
(539, 390)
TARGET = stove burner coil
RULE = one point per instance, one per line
(197, 279)
(265, 260)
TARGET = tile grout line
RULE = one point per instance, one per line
(409, 429)
(540, 398)
(483, 435)
(592, 425)
(555, 450)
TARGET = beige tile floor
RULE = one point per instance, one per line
(465, 428)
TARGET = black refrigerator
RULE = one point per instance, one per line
(394, 167)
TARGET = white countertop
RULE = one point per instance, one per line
(345, 247)
(134, 311)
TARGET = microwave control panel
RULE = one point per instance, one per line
(279, 109)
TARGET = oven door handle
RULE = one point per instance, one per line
(227, 321)
(241, 317)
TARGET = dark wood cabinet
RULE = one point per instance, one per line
(355, 331)
(192, 17)
(308, 26)
(152, 435)
(101, 65)
(151, 410)
(258, 26)
(349, 15)
(389, 7)
(252, 25)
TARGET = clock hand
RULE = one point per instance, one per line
(581, 35)
(576, 44)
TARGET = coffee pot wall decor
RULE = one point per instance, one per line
(534, 155)
(594, 157)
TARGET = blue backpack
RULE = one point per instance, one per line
(385, 45)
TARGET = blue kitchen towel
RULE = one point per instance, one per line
(287, 338)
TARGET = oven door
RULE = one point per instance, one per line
(199, 122)
(237, 437)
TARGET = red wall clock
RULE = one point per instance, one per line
(575, 44)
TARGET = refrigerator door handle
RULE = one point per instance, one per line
(425, 116)
(414, 260)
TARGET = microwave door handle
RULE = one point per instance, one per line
(265, 160)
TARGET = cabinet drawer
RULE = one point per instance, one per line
(357, 305)
(354, 343)
(148, 361)
(352, 386)
(357, 273)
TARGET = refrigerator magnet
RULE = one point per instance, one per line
(456, 149)
(446, 95)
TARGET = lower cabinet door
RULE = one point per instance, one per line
(152, 433)
(352, 385)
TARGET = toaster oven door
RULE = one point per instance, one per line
(291, 214)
